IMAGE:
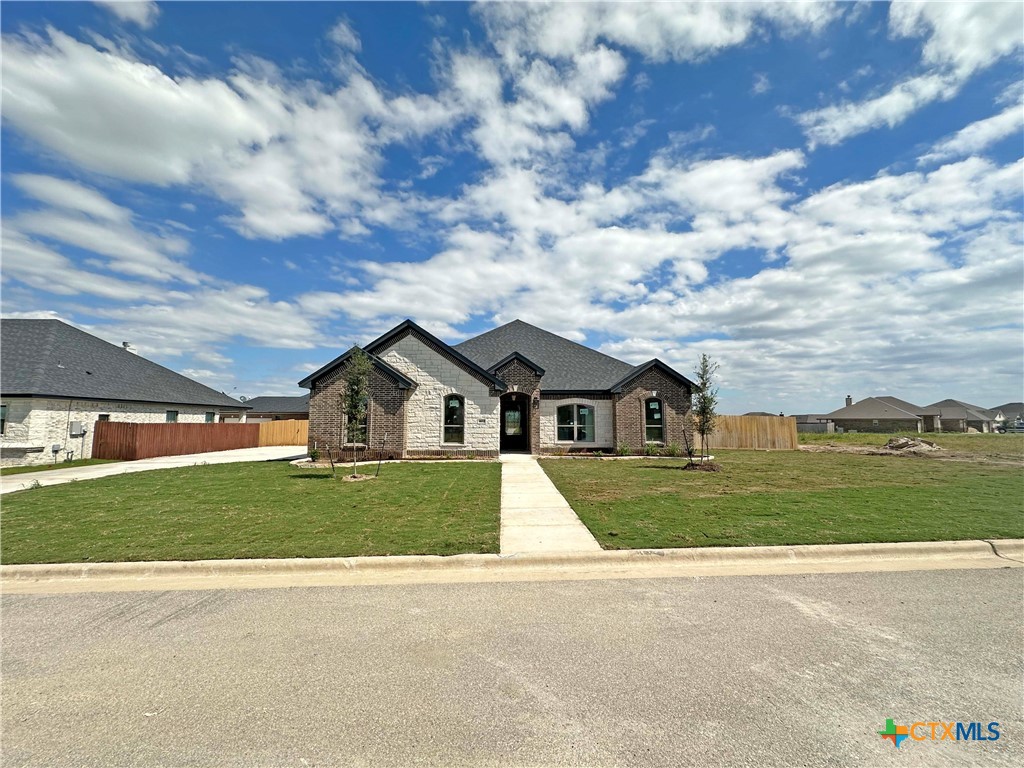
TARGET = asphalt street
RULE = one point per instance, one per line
(750, 671)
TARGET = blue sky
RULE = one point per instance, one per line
(826, 198)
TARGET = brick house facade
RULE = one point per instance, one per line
(515, 388)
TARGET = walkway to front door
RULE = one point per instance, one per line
(535, 517)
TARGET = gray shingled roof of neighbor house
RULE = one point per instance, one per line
(879, 408)
(298, 404)
(567, 365)
(958, 409)
(49, 358)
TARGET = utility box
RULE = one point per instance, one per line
(77, 430)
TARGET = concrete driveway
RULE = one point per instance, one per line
(11, 483)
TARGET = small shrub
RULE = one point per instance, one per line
(623, 450)
(599, 454)
(673, 449)
(650, 449)
(470, 454)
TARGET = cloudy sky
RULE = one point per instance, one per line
(825, 198)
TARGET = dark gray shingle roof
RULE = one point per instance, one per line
(49, 358)
(567, 365)
(298, 404)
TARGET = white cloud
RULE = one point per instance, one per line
(141, 12)
(978, 136)
(762, 84)
(961, 39)
(342, 35)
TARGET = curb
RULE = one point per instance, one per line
(1004, 551)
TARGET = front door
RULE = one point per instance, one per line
(515, 423)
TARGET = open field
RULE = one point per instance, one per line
(955, 444)
(255, 510)
(47, 467)
(791, 497)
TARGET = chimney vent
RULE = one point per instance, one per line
(849, 400)
(128, 347)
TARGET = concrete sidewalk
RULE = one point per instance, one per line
(535, 517)
(11, 483)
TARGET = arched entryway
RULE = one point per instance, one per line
(515, 422)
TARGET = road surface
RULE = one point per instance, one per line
(752, 671)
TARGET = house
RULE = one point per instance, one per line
(958, 416)
(1011, 411)
(883, 414)
(56, 381)
(814, 422)
(514, 388)
(278, 408)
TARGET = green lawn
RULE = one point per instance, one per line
(791, 497)
(59, 465)
(989, 445)
(255, 510)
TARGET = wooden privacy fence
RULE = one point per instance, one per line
(284, 432)
(759, 432)
(129, 442)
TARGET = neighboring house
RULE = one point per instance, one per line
(814, 422)
(56, 381)
(958, 416)
(277, 408)
(883, 414)
(515, 388)
(1011, 411)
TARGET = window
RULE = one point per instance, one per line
(103, 417)
(211, 417)
(654, 423)
(3, 419)
(172, 417)
(576, 423)
(454, 419)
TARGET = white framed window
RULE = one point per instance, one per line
(654, 421)
(171, 417)
(3, 419)
(454, 419)
(576, 423)
(103, 417)
(358, 432)
(211, 417)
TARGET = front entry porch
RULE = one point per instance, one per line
(515, 423)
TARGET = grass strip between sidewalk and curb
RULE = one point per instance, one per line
(255, 510)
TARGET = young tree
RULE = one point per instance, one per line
(356, 400)
(704, 415)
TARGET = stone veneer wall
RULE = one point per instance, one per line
(521, 378)
(38, 421)
(437, 376)
(604, 424)
(629, 409)
(386, 417)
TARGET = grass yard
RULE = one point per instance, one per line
(46, 467)
(985, 445)
(791, 497)
(266, 509)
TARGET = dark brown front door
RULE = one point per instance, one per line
(515, 423)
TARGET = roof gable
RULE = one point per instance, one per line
(49, 358)
(644, 367)
(403, 381)
(521, 358)
(567, 366)
(409, 327)
(958, 409)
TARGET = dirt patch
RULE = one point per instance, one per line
(914, 444)
(937, 452)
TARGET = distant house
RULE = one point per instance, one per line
(1011, 411)
(56, 381)
(958, 416)
(814, 422)
(883, 414)
(278, 408)
(514, 388)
